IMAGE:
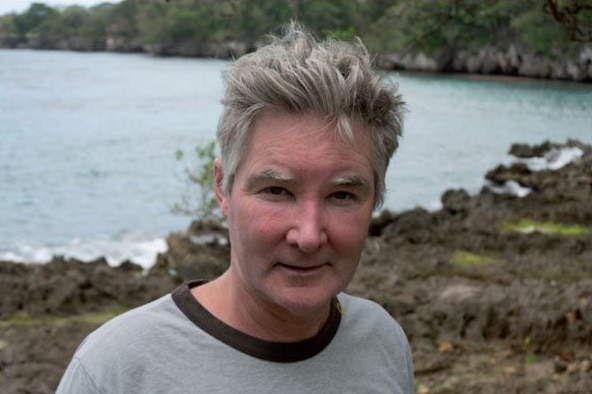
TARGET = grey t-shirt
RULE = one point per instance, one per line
(175, 345)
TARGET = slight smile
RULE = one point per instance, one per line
(302, 269)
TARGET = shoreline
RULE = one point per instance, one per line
(383, 61)
(147, 248)
(493, 291)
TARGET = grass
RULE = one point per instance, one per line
(95, 318)
(463, 258)
(526, 226)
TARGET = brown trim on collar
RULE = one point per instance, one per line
(259, 348)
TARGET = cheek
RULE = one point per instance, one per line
(348, 233)
(258, 224)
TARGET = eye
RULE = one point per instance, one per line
(275, 190)
(275, 193)
(342, 195)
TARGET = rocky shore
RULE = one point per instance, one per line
(512, 60)
(493, 290)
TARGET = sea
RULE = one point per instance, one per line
(88, 142)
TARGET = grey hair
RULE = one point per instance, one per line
(297, 74)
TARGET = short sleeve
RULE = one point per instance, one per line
(76, 380)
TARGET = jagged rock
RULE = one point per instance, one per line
(456, 277)
(527, 151)
(455, 201)
(511, 60)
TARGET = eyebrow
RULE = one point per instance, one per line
(272, 175)
(268, 175)
(353, 181)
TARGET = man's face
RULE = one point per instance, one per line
(298, 212)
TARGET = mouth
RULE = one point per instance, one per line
(302, 269)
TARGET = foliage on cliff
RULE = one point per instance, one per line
(387, 26)
(533, 38)
(439, 25)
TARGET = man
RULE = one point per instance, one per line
(306, 136)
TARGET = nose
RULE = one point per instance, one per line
(308, 231)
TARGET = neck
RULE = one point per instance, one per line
(247, 313)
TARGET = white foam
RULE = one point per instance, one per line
(554, 159)
(509, 187)
(134, 248)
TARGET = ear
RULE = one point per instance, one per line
(220, 195)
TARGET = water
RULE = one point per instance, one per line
(87, 144)
(459, 127)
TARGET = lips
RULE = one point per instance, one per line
(301, 268)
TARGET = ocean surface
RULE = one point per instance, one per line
(87, 143)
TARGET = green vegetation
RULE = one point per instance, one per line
(435, 27)
(466, 259)
(200, 176)
(529, 226)
(529, 356)
(96, 318)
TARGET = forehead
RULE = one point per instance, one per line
(307, 128)
(306, 147)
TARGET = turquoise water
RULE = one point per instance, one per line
(87, 144)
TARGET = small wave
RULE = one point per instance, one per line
(554, 159)
(142, 251)
(509, 187)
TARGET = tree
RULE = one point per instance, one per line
(199, 200)
(9, 34)
(574, 15)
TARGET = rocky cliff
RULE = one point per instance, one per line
(512, 60)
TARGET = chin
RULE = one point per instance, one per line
(305, 301)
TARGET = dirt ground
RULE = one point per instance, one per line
(493, 291)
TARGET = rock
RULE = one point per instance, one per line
(455, 201)
(445, 347)
(514, 59)
(380, 222)
(560, 365)
(415, 225)
(527, 151)
(518, 172)
(64, 287)
(462, 318)
(510, 370)
(458, 293)
(572, 368)
(129, 266)
(202, 252)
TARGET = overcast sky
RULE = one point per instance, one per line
(18, 6)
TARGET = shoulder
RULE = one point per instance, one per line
(128, 327)
(359, 305)
(366, 313)
(364, 321)
(133, 337)
(377, 339)
(108, 353)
